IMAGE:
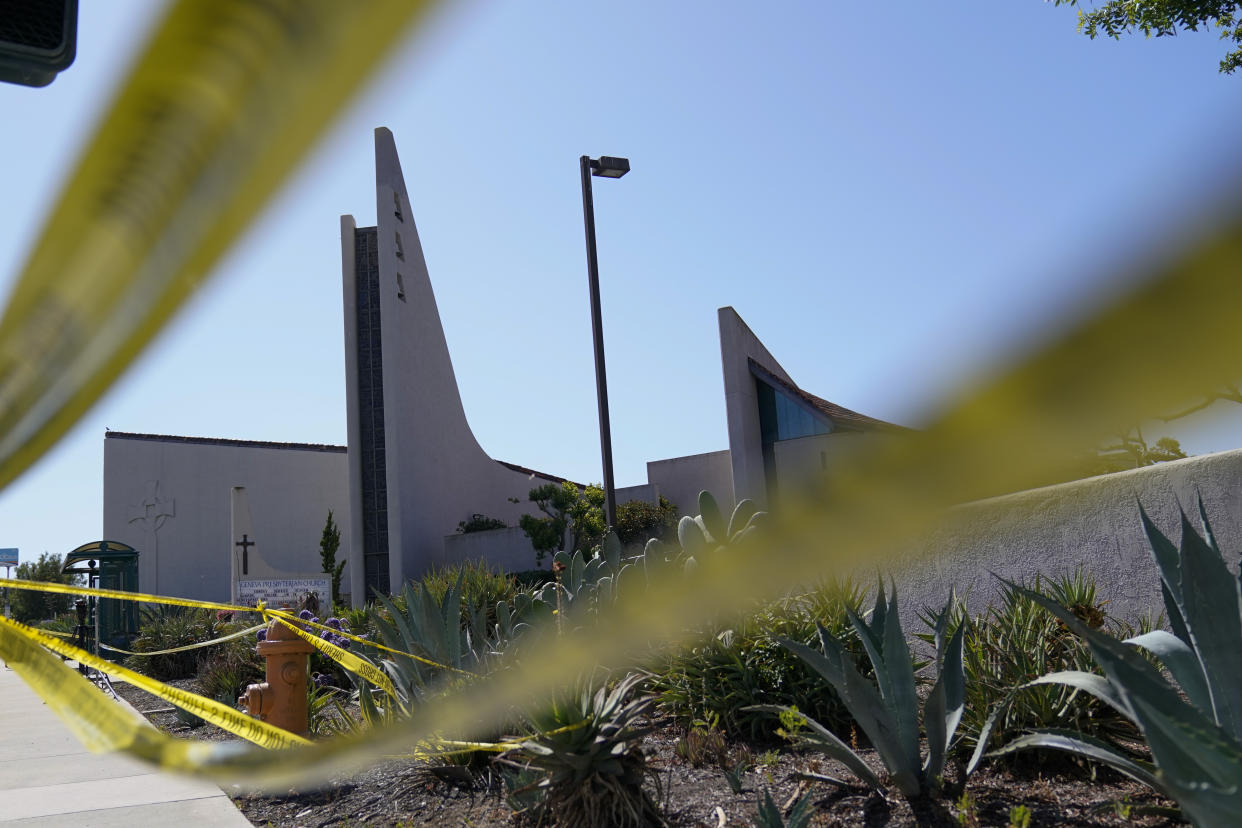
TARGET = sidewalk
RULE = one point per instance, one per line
(48, 778)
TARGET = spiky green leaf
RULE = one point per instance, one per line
(1213, 613)
(1080, 744)
(1182, 663)
(826, 742)
(743, 512)
(691, 537)
(713, 521)
(1169, 563)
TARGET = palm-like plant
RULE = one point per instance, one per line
(1193, 727)
(584, 757)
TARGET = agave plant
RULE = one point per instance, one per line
(440, 647)
(709, 530)
(1195, 735)
(888, 712)
(584, 762)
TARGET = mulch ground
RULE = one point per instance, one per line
(410, 793)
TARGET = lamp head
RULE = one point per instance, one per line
(606, 166)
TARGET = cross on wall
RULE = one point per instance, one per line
(245, 543)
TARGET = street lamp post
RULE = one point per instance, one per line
(605, 167)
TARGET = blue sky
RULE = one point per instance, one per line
(896, 197)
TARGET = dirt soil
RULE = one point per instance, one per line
(410, 793)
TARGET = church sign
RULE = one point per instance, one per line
(285, 592)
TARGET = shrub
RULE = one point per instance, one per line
(65, 622)
(1017, 641)
(638, 521)
(480, 523)
(533, 578)
(224, 674)
(482, 586)
(164, 627)
(746, 665)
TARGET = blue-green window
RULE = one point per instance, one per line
(781, 417)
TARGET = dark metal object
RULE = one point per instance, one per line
(38, 39)
(605, 167)
(110, 565)
(81, 631)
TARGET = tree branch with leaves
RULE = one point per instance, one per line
(1164, 18)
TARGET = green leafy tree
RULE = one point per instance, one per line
(1162, 18)
(573, 518)
(329, 543)
(28, 605)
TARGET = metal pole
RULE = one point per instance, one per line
(597, 330)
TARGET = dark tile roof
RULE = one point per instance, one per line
(836, 413)
(222, 441)
(551, 477)
(266, 444)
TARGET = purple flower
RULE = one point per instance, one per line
(334, 623)
(306, 615)
(261, 635)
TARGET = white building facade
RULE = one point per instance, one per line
(412, 469)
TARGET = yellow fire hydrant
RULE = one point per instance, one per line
(281, 700)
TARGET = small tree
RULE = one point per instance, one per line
(329, 543)
(28, 605)
(1130, 450)
(574, 518)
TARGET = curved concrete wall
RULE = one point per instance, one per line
(437, 473)
(1093, 522)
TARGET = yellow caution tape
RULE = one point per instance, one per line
(58, 634)
(261, 608)
(121, 595)
(98, 722)
(221, 639)
(227, 98)
(221, 715)
(345, 658)
(365, 641)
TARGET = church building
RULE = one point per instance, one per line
(208, 514)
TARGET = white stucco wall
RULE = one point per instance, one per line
(508, 549)
(680, 479)
(1093, 522)
(805, 461)
(170, 498)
